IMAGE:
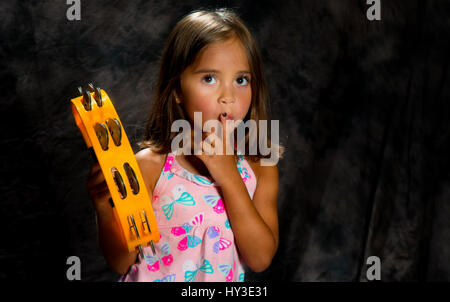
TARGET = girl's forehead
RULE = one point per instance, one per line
(228, 53)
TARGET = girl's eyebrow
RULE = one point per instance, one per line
(217, 71)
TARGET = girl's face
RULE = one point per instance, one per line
(218, 81)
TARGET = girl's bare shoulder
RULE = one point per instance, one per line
(151, 164)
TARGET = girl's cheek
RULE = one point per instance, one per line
(203, 100)
(205, 106)
(244, 106)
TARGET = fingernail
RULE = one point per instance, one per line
(224, 114)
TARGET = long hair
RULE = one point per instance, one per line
(189, 36)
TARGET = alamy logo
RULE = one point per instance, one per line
(74, 11)
(374, 11)
(374, 271)
(74, 271)
(255, 138)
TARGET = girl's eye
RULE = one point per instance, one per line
(209, 79)
(243, 81)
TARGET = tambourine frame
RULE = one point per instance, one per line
(98, 122)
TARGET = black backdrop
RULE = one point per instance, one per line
(363, 109)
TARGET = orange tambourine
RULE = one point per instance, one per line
(103, 132)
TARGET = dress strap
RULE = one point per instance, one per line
(169, 161)
(164, 175)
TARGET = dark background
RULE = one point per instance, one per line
(364, 116)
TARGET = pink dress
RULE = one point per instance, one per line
(197, 242)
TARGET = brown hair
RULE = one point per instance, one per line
(190, 35)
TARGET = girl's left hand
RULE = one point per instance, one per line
(220, 164)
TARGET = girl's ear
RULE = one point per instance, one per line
(177, 95)
(177, 99)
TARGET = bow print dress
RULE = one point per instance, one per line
(196, 240)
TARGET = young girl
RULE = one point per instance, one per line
(213, 212)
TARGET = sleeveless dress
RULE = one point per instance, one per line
(196, 240)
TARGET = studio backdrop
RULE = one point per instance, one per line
(362, 99)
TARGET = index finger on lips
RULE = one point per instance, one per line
(227, 127)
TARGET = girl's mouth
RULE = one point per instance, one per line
(227, 116)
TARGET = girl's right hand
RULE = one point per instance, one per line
(98, 190)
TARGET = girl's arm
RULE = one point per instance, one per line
(114, 251)
(254, 223)
(109, 233)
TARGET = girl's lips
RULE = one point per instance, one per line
(228, 116)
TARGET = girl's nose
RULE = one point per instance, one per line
(227, 94)
(226, 100)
